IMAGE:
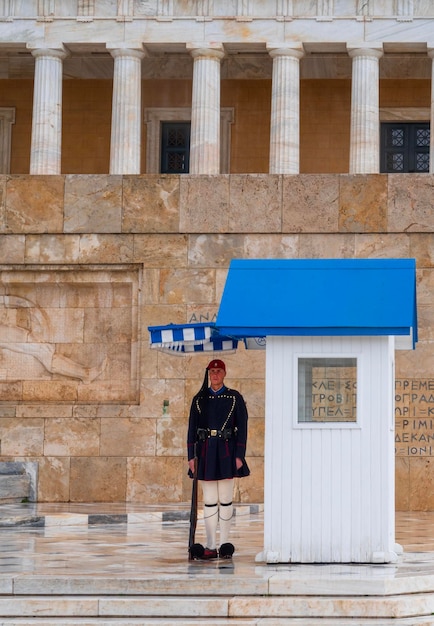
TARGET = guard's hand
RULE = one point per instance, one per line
(239, 463)
(191, 465)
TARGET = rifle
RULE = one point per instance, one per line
(195, 550)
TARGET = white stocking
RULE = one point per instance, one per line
(226, 509)
(210, 511)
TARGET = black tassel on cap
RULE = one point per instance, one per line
(203, 391)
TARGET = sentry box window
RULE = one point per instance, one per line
(327, 390)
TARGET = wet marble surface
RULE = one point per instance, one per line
(128, 540)
(113, 539)
(125, 564)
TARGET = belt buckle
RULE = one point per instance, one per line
(213, 433)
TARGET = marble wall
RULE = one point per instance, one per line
(87, 263)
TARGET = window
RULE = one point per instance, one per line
(175, 147)
(156, 118)
(7, 118)
(327, 389)
(404, 147)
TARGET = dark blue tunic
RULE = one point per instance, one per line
(221, 419)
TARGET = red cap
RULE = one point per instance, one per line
(216, 364)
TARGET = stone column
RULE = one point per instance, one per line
(126, 129)
(205, 109)
(365, 110)
(46, 142)
(431, 143)
(285, 109)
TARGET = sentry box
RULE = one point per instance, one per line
(331, 329)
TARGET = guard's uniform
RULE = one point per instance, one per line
(218, 429)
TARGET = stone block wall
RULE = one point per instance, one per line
(88, 262)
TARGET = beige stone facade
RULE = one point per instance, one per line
(121, 436)
(95, 245)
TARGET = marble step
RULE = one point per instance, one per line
(14, 488)
(400, 609)
(32, 621)
(67, 571)
(223, 583)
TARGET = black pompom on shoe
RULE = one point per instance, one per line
(226, 550)
(196, 551)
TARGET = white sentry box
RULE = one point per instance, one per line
(329, 450)
(331, 328)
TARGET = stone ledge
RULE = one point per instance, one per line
(28, 519)
(286, 610)
(18, 481)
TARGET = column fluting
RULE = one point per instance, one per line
(46, 141)
(285, 110)
(125, 142)
(205, 109)
(365, 110)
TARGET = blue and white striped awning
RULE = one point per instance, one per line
(190, 338)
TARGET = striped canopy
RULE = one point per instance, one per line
(189, 338)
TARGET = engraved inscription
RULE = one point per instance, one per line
(414, 417)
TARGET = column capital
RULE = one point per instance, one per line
(57, 50)
(206, 49)
(122, 49)
(285, 50)
(358, 49)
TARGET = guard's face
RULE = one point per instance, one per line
(216, 377)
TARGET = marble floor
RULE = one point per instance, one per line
(111, 557)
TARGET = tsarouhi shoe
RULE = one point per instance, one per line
(209, 554)
(226, 551)
(196, 551)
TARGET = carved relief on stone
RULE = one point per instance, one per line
(404, 8)
(125, 8)
(16, 338)
(325, 8)
(365, 7)
(46, 10)
(285, 7)
(85, 8)
(77, 329)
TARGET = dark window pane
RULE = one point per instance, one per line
(395, 162)
(175, 161)
(175, 147)
(404, 147)
(422, 137)
(397, 137)
(422, 163)
(176, 137)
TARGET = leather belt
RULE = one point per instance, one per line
(204, 433)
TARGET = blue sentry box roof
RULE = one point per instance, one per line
(319, 297)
